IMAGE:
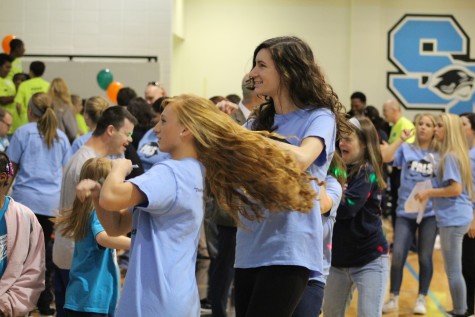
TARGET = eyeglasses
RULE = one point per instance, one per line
(153, 83)
(9, 125)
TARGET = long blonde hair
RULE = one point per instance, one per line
(46, 119)
(59, 92)
(455, 144)
(94, 107)
(73, 223)
(242, 167)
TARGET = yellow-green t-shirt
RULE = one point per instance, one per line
(401, 124)
(7, 89)
(82, 126)
(27, 89)
(16, 68)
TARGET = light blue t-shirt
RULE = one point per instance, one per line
(3, 237)
(78, 142)
(416, 167)
(451, 211)
(94, 277)
(160, 280)
(38, 181)
(472, 161)
(149, 152)
(335, 192)
(291, 238)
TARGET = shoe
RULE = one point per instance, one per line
(47, 312)
(205, 306)
(420, 308)
(392, 304)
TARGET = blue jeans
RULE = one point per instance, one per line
(370, 280)
(311, 302)
(451, 243)
(404, 234)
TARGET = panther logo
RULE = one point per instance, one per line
(434, 69)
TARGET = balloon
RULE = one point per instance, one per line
(113, 90)
(104, 78)
(6, 43)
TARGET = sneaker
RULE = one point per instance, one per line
(420, 308)
(392, 304)
(205, 307)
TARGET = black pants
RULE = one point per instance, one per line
(468, 270)
(46, 297)
(312, 299)
(269, 290)
(222, 273)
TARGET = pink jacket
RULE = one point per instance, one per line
(24, 277)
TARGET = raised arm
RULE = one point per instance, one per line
(388, 150)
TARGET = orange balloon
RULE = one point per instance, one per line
(113, 90)
(6, 43)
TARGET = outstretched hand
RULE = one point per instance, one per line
(88, 188)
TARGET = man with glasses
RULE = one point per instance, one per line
(153, 91)
(6, 120)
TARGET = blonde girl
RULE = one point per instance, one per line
(167, 200)
(63, 108)
(93, 279)
(452, 196)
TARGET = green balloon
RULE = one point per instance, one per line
(104, 78)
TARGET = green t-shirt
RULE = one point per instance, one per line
(7, 89)
(401, 124)
(27, 89)
(16, 68)
(82, 126)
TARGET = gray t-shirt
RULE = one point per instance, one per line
(63, 248)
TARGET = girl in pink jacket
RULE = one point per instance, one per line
(22, 253)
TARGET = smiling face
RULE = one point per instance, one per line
(265, 75)
(169, 130)
(120, 138)
(351, 148)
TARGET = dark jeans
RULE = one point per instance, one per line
(222, 274)
(310, 304)
(73, 313)
(468, 270)
(61, 280)
(269, 290)
(403, 237)
(46, 297)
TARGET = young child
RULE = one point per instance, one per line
(359, 249)
(93, 280)
(22, 251)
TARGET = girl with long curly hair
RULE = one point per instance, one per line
(277, 254)
(209, 152)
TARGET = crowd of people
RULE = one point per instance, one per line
(279, 194)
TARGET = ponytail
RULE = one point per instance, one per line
(41, 107)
